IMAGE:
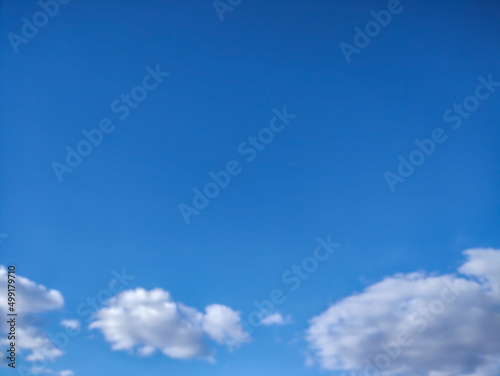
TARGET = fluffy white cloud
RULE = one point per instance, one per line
(221, 323)
(66, 372)
(275, 319)
(146, 321)
(30, 298)
(416, 324)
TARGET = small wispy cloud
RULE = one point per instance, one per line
(72, 324)
(276, 319)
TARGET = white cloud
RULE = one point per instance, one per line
(416, 324)
(66, 372)
(146, 321)
(221, 323)
(485, 265)
(146, 350)
(275, 319)
(71, 324)
(30, 298)
(40, 347)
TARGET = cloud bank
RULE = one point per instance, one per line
(416, 324)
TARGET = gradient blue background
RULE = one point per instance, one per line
(322, 175)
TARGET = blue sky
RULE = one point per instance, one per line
(323, 175)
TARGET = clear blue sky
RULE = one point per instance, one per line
(323, 175)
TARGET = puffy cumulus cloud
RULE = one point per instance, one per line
(416, 324)
(146, 321)
(276, 319)
(31, 298)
